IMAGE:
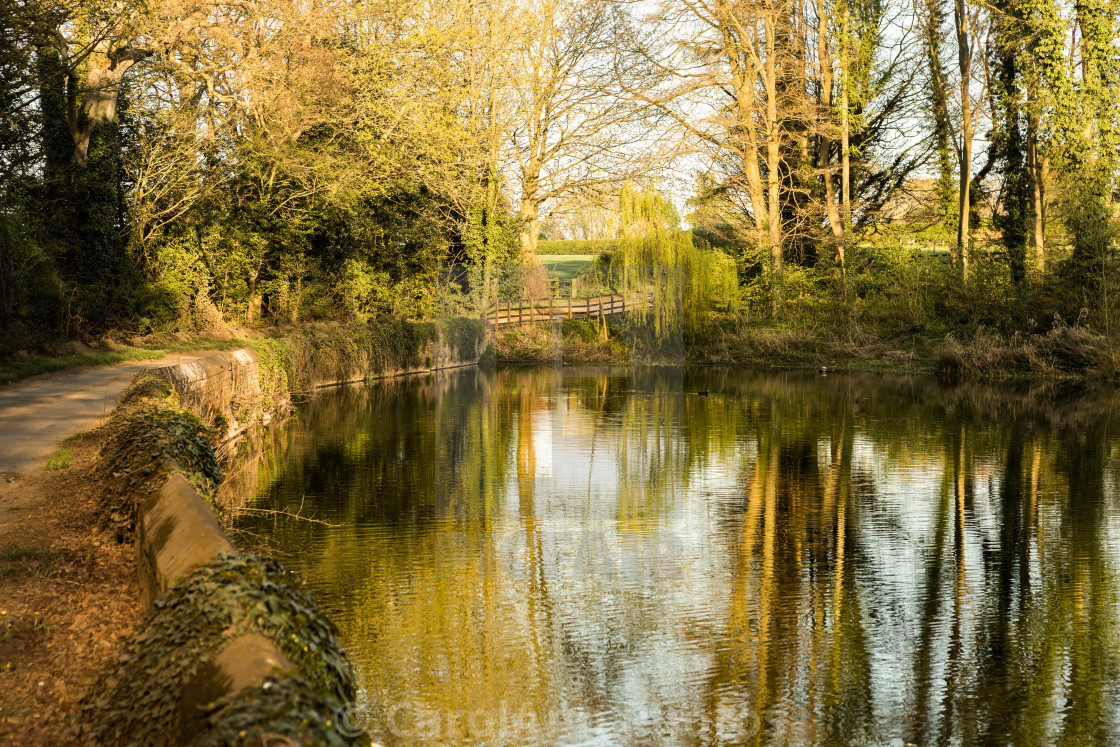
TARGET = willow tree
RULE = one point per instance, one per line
(674, 283)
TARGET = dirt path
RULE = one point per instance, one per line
(38, 413)
(68, 588)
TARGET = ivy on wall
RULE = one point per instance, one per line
(137, 701)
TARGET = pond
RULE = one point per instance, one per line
(606, 556)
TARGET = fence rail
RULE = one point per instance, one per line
(524, 311)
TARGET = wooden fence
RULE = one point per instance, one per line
(524, 311)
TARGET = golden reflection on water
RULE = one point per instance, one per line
(567, 556)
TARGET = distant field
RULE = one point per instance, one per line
(566, 266)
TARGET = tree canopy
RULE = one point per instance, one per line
(182, 165)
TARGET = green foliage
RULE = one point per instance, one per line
(490, 247)
(1087, 212)
(1011, 217)
(655, 258)
(12, 372)
(302, 360)
(463, 335)
(137, 700)
(26, 274)
(581, 342)
(585, 330)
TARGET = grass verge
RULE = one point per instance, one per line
(12, 372)
(580, 342)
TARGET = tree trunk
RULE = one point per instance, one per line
(530, 227)
(1043, 187)
(102, 90)
(824, 146)
(298, 297)
(773, 178)
(963, 233)
(845, 132)
(253, 310)
(964, 56)
(1034, 173)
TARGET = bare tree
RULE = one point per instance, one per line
(735, 81)
(575, 129)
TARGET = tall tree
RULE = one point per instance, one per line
(574, 128)
(1012, 217)
(965, 18)
(727, 63)
(932, 16)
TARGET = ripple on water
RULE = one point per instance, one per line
(526, 557)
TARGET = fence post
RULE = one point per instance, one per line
(600, 307)
(521, 312)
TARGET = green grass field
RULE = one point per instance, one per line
(566, 266)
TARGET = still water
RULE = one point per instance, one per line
(603, 556)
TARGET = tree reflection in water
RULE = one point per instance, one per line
(563, 555)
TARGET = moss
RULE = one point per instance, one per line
(59, 461)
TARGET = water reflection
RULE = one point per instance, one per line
(602, 556)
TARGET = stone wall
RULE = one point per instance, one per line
(231, 391)
(220, 388)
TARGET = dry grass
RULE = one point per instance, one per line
(579, 343)
(784, 346)
(1068, 350)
